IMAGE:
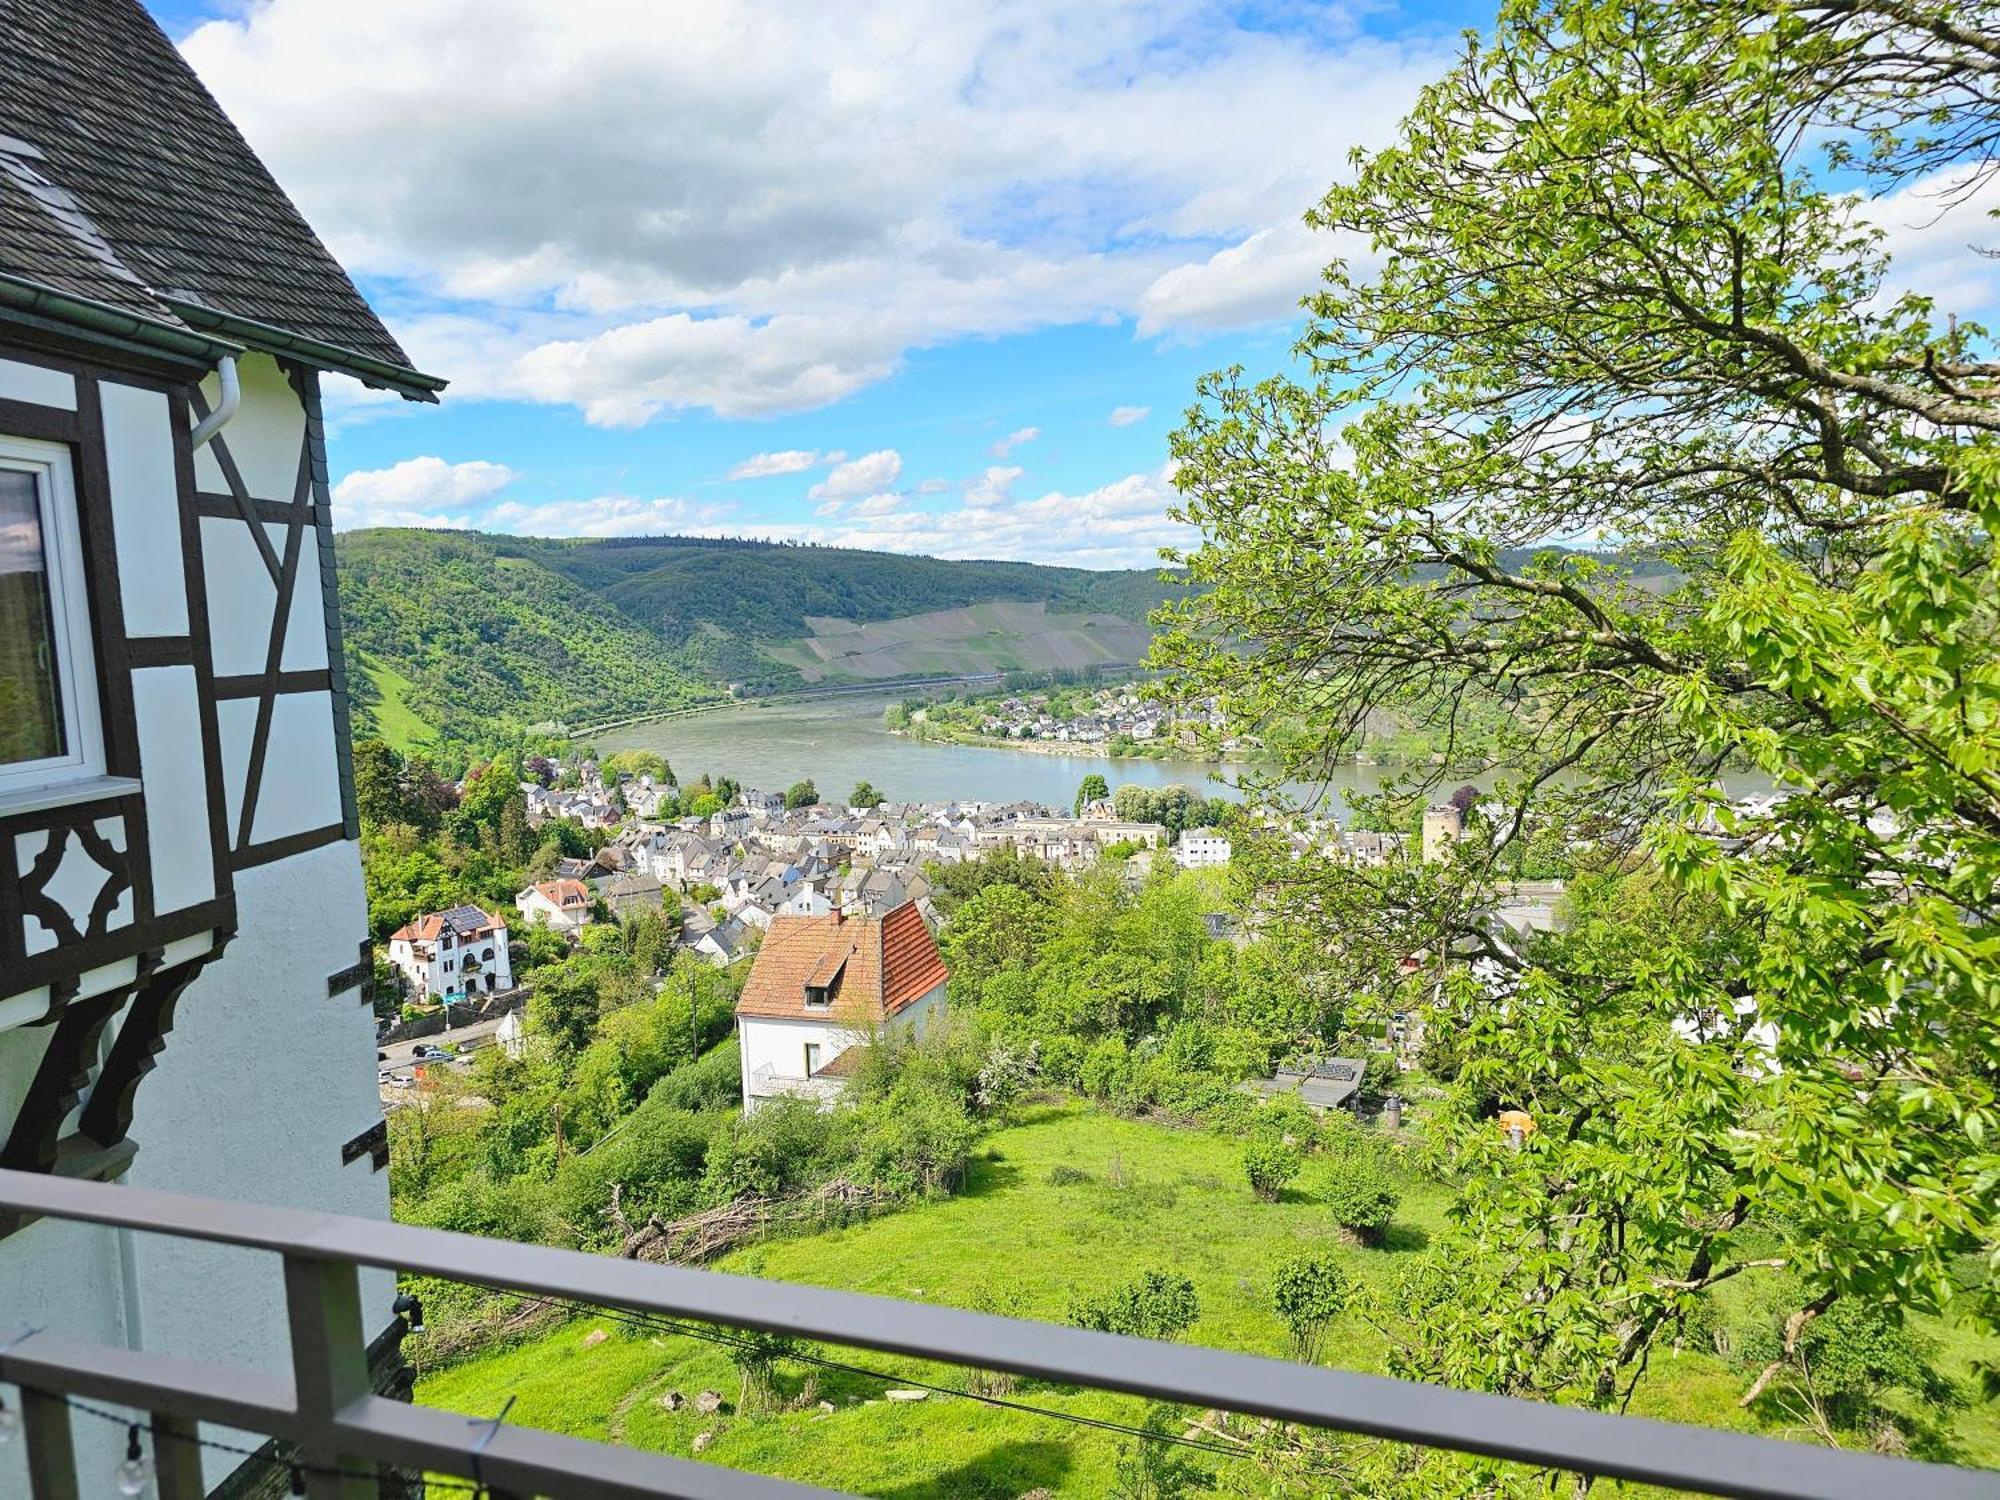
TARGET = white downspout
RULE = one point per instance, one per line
(225, 408)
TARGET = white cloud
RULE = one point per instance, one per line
(1934, 230)
(607, 515)
(1014, 439)
(866, 475)
(1260, 279)
(734, 366)
(1125, 416)
(1123, 524)
(753, 209)
(424, 491)
(763, 465)
(876, 505)
(994, 487)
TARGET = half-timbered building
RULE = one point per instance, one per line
(183, 963)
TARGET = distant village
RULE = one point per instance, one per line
(1103, 721)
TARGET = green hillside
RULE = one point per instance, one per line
(456, 636)
(450, 641)
(764, 591)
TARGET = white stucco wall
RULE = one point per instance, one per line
(264, 1077)
(780, 1045)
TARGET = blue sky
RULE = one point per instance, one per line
(924, 277)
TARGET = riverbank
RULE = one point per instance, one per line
(1073, 749)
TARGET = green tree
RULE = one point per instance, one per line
(864, 795)
(637, 763)
(801, 794)
(1154, 1305)
(1094, 789)
(378, 794)
(1614, 293)
(1271, 1167)
(1308, 1292)
(1362, 1198)
(564, 1006)
(1002, 927)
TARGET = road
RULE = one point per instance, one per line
(399, 1055)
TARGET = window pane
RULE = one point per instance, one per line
(31, 726)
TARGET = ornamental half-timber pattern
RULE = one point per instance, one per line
(217, 658)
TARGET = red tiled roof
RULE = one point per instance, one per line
(564, 893)
(430, 927)
(872, 967)
(911, 965)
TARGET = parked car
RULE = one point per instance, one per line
(428, 1053)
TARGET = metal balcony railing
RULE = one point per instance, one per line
(343, 1432)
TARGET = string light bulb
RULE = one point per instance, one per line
(135, 1472)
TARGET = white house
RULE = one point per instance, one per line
(458, 952)
(184, 956)
(564, 905)
(806, 900)
(1200, 849)
(823, 987)
(727, 825)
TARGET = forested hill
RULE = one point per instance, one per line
(765, 591)
(456, 636)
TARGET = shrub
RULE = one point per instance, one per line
(1151, 1467)
(916, 1141)
(1362, 1198)
(1062, 1174)
(787, 1145)
(756, 1357)
(1062, 1058)
(1107, 1071)
(1285, 1116)
(1270, 1166)
(1309, 1292)
(1381, 1076)
(656, 1158)
(1159, 1305)
(715, 1082)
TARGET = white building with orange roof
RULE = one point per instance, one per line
(564, 905)
(458, 952)
(822, 987)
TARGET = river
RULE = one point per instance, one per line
(837, 742)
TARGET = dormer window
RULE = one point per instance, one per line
(818, 997)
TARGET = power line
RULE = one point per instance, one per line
(713, 1335)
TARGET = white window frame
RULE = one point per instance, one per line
(69, 608)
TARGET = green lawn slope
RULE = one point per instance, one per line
(1011, 1242)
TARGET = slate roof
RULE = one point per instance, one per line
(875, 966)
(169, 213)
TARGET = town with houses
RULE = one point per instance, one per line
(830, 905)
(1108, 720)
(757, 859)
